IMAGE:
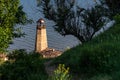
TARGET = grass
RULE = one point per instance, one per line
(96, 57)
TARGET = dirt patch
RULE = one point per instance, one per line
(49, 69)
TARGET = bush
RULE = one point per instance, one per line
(61, 73)
(101, 77)
(23, 66)
(117, 18)
(116, 75)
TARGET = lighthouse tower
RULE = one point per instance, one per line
(41, 37)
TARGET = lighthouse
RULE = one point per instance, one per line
(41, 36)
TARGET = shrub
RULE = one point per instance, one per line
(117, 18)
(23, 66)
(101, 77)
(116, 75)
(61, 73)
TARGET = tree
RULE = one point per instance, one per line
(113, 7)
(73, 20)
(10, 15)
(94, 19)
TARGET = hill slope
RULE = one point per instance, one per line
(99, 56)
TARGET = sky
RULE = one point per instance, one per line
(55, 40)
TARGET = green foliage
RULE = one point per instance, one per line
(17, 54)
(101, 55)
(10, 15)
(8, 10)
(116, 75)
(61, 73)
(117, 18)
(93, 21)
(23, 66)
(101, 77)
(114, 6)
(5, 38)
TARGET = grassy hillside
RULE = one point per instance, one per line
(99, 56)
